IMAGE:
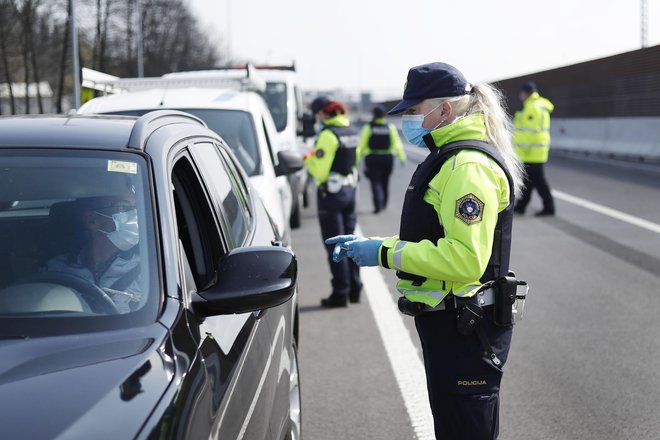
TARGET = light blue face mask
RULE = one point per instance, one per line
(411, 125)
(126, 233)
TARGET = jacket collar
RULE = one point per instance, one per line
(470, 127)
(337, 121)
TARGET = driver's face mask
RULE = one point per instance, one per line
(126, 233)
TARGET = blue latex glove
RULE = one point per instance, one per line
(341, 248)
(364, 251)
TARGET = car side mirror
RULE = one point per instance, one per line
(289, 162)
(249, 279)
(308, 120)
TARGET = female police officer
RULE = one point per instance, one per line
(333, 165)
(455, 235)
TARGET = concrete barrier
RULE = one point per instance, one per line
(624, 138)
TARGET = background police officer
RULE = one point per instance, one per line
(379, 142)
(531, 139)
(332, 163)
(455, 235)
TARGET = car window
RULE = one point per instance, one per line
(238, 178)
(234, 126)
(224, 191)
(78, 240)
(299, 103)
(275, 96)
(268, 142)
(196, 224)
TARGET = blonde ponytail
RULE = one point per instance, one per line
(488, 100)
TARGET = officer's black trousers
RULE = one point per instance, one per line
(535, 179)
(378, 168)
(462, 381)
(337, 217)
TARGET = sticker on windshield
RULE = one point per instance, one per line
(118, 166)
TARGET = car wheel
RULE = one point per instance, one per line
(296, 213)
(295, 414)
(305, 191)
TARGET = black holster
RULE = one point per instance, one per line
(504, 289)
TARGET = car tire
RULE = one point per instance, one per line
(296, 213)
(295, 413)
(305, 191)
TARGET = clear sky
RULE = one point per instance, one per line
(370, 45)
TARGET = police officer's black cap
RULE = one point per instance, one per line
(529, 87)
(319, 103)
(433, 80)
(379, 111)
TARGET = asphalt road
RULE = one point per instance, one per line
(585, 361)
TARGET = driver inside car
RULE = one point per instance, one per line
(109, 255)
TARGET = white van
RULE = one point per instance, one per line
(240, 117)
(284, 99)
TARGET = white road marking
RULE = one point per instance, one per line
(407, 365)
(613, 213)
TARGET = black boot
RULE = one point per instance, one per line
(354, 297)
(335, 300)
(545, 213)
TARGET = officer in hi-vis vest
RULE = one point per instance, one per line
(452, 251)
(531, 140)
(332, 163)
(379, 143)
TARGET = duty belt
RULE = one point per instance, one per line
(344, 180)
(483, 298)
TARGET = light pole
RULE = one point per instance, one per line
(140, 61)
(74, 56)
(644, 17)
(229, 29)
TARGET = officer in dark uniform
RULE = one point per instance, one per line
(332, 163)
(379, 142)
(452, 251)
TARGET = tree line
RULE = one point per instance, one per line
(35, 44)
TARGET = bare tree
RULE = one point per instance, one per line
(63, 58)
(31, 26)
(7, 21)
(35, 36)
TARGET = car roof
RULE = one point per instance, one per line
(279, 75)
(269, 75)
(66, 130)
(90, 131)
(177, 98)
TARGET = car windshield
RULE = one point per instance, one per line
(236, 127)
(275, 97)
(78, 249)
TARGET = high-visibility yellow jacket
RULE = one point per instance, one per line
(319, 160)
(456, 262)
(396, 146)
(531, 137)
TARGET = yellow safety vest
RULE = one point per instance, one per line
(531, 137)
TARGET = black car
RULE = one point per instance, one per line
(144, 292)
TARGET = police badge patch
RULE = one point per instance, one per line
(469, 209)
